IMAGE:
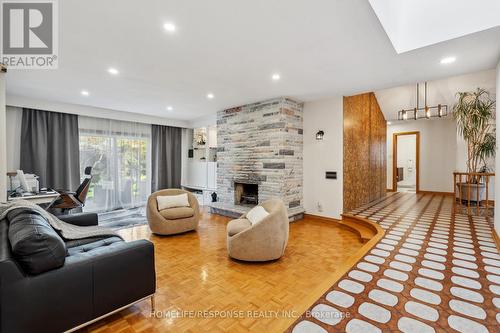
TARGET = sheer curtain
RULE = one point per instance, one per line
(120, 154)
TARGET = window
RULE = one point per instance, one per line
(119, 153)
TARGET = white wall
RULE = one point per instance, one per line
(497, 165)
(437, 152)
(439, 92)
(3, 141)
(322, 156)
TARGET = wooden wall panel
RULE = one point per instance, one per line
(365, 132)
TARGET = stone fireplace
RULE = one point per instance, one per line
(260, 156)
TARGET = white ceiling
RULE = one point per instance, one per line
(412, 24)
(230, 48)
(442, 91)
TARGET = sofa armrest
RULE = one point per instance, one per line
(124, 272)
(81, 219)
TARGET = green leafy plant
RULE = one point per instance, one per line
(475, 117)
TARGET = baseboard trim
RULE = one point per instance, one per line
(322, 218)
(436, 193)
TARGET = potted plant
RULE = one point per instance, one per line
(475, 117)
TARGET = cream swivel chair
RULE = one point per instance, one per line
(262, 241)
(172, 220)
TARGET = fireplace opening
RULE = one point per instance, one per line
(246, 194)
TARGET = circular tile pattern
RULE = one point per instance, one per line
(465, 325)
(383, 297)
(340, 298)
(368, 267)
(390, 285)
(467, 309)
(374, 312)
(351, 286)
(425, 296)
(396, 275)
(465, 282)
(307, 326)
(326, 314)
(361, 326)
(430, 273)
(410, 325)
(467, 294)
(422, 311)
(360, 276)
(428, 284)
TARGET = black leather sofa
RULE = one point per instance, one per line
(98, 276)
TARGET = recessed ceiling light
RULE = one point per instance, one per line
(276, 77)
(210, 96)
(170, 27)
(113, 71)
(169, 108)
(448, 60)
(85, 93)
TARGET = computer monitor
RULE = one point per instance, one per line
(22, 181)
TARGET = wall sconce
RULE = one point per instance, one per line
(320, 135)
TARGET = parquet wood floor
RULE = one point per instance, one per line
(194, 273)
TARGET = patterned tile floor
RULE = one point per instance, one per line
(433, 271)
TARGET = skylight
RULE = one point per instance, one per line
(412, 24)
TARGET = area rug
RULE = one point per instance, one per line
(123, 218)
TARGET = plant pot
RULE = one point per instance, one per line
(474, 188)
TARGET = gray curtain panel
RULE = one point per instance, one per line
(50, 148)
(166, 156)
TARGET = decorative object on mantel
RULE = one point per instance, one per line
(428, 112)
(200, 137)
(475, 117)
(320, 135)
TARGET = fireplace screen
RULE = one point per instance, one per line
(246, 194)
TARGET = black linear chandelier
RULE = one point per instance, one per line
(427, 112)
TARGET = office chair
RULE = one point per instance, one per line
(70, 200)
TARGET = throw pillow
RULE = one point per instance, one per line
(35, 244)
(172, 201)
(257, 214)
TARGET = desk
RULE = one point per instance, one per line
(40, 198)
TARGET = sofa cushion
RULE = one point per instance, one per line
(171, 201)
(94, 245)
(36, 246)
(177, 213)
(236, 226)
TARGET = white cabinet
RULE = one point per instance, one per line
(212, 175)
(201, 168)
(212, 136)
(197, 174)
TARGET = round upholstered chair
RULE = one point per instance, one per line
(172, 220)
(263, 241)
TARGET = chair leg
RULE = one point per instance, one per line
(153, 305)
